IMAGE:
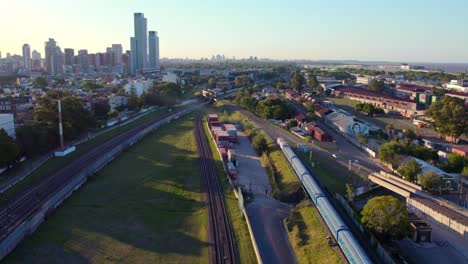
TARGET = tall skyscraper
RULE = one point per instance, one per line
(141, 41)
(117, 51)
(54, 58)
(83, 60)
(153, 47)
(69, 56)
(133, 56)
(27, 57)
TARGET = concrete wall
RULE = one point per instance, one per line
(30, 225)
(428, 213)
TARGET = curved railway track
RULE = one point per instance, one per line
(223, 244)
(22, 207)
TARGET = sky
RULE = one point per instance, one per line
(397, 30)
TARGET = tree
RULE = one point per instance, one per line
(450, 116)
(310, 109)
(241, 80)
(312, 81)
(455, 163)
(40, 82)
(297, 81)
(410, 170)
(320, 90)
(212, 82)
(9, 151)
(350, 192)
(260, 143)
(430, 180)
(100, 108)
(409, 135)
(390, 152)
(376, 85)
(76, 119)
(386, 216)
(132, 99)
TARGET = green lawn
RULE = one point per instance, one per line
(308, 237)
(244, 243)
(144, 207)
(56, 163)
(331, 175)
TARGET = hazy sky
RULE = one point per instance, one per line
(397, 30)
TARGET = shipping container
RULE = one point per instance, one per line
(222, 136)
(215, 123)
(213, 117)
(223, 153)
(232, 170)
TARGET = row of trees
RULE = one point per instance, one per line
(268, 108)
(41, 135)
(369, 109)
(393, 152)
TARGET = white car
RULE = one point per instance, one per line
(335, 156)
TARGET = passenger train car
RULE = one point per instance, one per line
(348, 244)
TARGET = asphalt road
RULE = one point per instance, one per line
(266, 217)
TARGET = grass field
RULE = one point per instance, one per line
(244, 243)
(56, 163)
(144, 207)
(308, 238)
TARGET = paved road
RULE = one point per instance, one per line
(265, 214)
(266, 217)
(251, 174)
(346, 150)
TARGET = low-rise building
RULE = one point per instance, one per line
(458, 86)
(460, 150)
(7, 123)
(140, 86)
(15, 105)
(389, 103)
(116, 101)
(346, 124)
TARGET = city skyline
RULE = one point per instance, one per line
(313, 30)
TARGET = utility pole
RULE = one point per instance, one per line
(60, 123)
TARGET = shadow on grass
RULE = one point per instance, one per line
(146, 200)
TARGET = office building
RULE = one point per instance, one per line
(54, 58)
(133, 56)
(69, 56)
(27, 57)
(83, 60)
(153, 47)
(117, 51)
(140, 45)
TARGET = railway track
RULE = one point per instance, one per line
(223, 244)
(27, 203)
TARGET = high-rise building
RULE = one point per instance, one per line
(126, 61)
(69, 56)
(133, 56)
(54, 58)
(0, 55)
(140, 41)
(36, 55)
(153, 47)
(27, 57)
(83, 60)
(117, 51)
(109, 57)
